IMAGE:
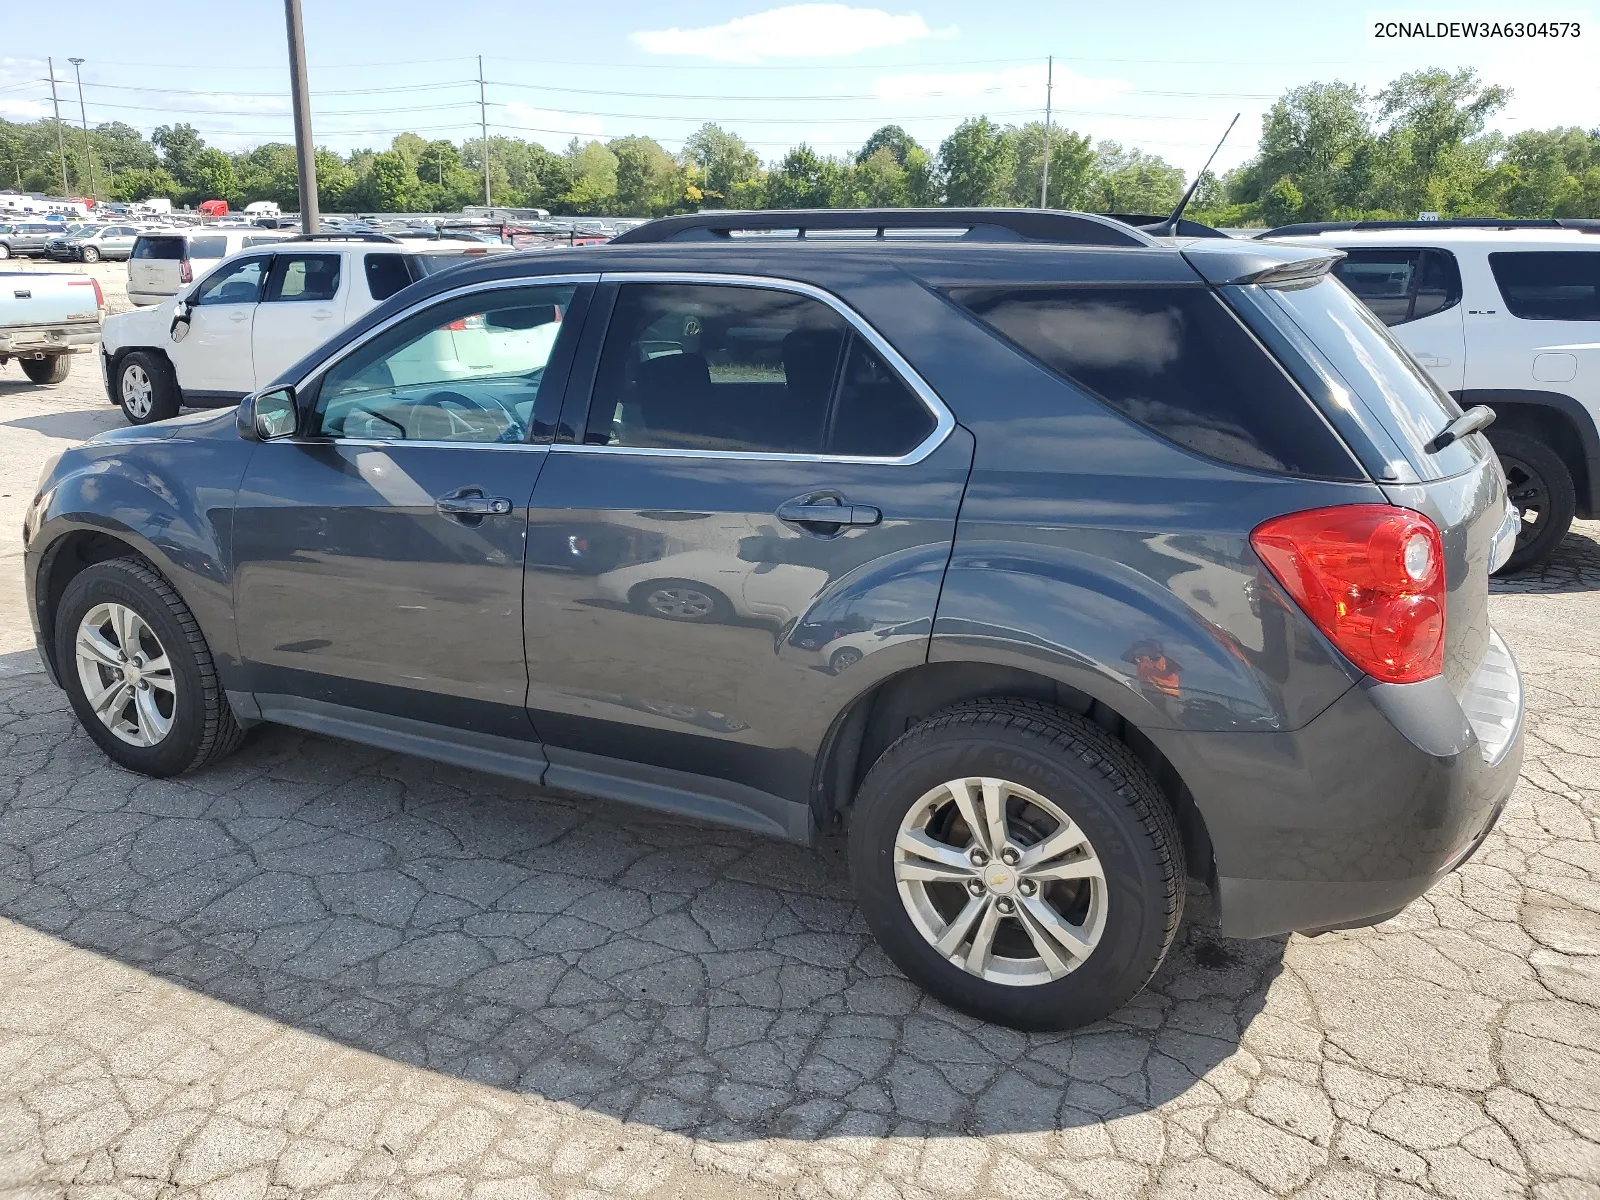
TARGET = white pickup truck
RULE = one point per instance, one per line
(46, 318)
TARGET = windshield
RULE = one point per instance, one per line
(1373, 368)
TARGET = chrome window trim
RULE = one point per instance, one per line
(419, 443)
(944, 419)
(378, 330)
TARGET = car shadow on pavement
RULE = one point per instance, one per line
(688, 978)
(1574, 567)
(74, 425)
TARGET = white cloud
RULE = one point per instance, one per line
(1012, 86)
(794, 31)
(550, 129)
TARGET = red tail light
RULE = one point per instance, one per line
(99, 296)
(1369, 576)
(185, 274)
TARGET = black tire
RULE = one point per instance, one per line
(1097, 782)
(1537, 480)
(700, 603)
(53, 368)
(165, 398)
(203, 726)
(91, 255)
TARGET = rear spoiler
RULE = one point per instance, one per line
(1266, 265)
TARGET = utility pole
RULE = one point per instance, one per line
(305, 150)
(61, 142)
(483, 118)
(94, 187)
(1049, 96)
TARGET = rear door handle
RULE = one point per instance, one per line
(471, 502)
(813, 511)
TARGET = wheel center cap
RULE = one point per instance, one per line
(1000, 879)
(130, 672)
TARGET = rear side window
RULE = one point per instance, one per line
(1176, 361)
(304, 277)
(208, 247)
(387, 274)
(1402, 285)
(746, 370)
(165, 249)
(1549, 285)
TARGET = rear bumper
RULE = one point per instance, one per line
(1346, 821)
(36, 340)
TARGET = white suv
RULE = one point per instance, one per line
(254, 315)
(1503, 313)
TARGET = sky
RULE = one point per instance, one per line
(1163, 76)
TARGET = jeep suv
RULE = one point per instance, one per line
(1502, 313)
(1049, 561)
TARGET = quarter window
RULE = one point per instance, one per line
(208, 247)
(1176, 361)
(1402, 285)
(1549, 285)
(465, 370)
(746, 370)
(236, 284)
(386, 275)
(304, 277)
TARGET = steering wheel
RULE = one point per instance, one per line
(450, 404)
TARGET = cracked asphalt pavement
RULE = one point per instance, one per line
(322, 970)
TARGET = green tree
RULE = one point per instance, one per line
(270, 172)
(1432, 118)
(723, 162)
(649, 180)
(211, 176)
(141, 183)
(977, 164)
(805, 179)
(334, 181)
(892, 138)
(1072, 168)
(180, 147)
(1132, 181)
(391, 185)
(880, 181)
(594, 179)
(1319, 137)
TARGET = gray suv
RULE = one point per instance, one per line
(1052, 562)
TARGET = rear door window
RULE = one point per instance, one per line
(211, 246)
(1401, 285)
(1549, 285)
(297, 277)
(1175, 360)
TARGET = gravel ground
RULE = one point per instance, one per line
(320, 970)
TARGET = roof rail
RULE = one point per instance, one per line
(981, 224)
(1147, 221)
(1305, 228)
(343, 237)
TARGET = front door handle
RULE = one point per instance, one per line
(817, 510)
(471, 502)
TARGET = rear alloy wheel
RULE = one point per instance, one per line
(91, 255)
(53, 368)
(1018, 863)
(1540, 487)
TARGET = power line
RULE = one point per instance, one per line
(542, 87)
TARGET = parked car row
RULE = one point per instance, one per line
(1052, 565)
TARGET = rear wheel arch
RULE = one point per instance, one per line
(877, 717)
(1555, 419)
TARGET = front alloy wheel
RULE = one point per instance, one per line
(1000, 881)
(138, 392)
(126, 675)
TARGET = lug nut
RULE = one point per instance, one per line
(975, 888)
(1004, 906)
(1029, 887)
(978, 857)
(1010, 857)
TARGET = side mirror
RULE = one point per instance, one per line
(268, 415)
(179, 329)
